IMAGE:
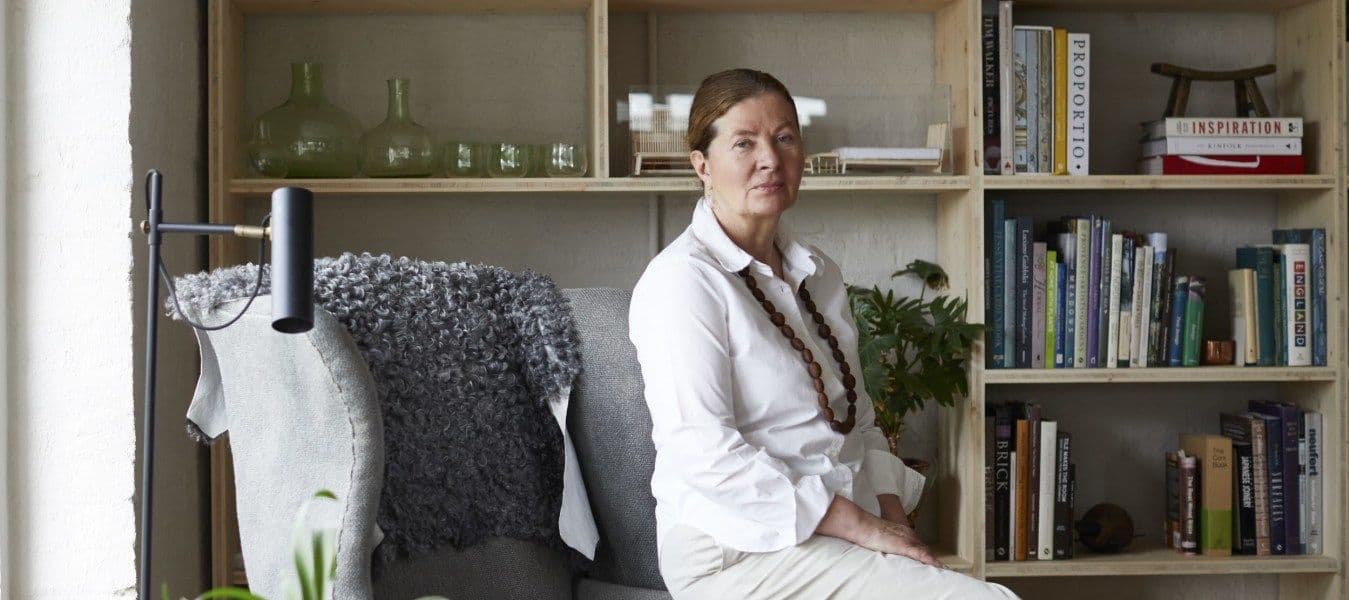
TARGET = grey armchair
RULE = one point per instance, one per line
(302, 415)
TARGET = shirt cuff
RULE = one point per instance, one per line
(889, 475)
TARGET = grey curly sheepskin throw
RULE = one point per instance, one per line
(464, 358)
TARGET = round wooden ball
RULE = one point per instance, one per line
(1105, 528)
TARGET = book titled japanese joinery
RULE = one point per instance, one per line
(1214, 456)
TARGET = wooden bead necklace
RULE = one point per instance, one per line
(812, 367)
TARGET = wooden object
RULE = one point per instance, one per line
(1308, 51)
(1249, 101)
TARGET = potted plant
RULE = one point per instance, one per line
(912, 349)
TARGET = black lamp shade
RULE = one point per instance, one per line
(292, 260)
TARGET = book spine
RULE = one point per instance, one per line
(1243, 495)
(1006, 89)
(1021, 98)
(1280, 316)
(1068, 304)
(993, 270)
(1138, 356)
(1002, 480)
(1063, 534)
(1079, 98)
(1168, 293)
(1010, 272)
(1126, 302)
(1173, 526)
(1025, 254)
(1214, 456)
(1232, 127)
(1014, 509)
(1318, 295)
(1278, 507)
(1297, 267)
(988, 25)
(1048, 452)
(1094, 295)
(1081, 295)
(1113, 316)
(990, 484)
(1314, 504)
(1032, 537)
(1060, 101)
(1052, 356)
(1023, 433)
(1189, 505)
(1103, 317)
(1223, 146)
(1178, 300)
(1045, 130)
(1037, 315)
(1291, 497)
(1061, 357)
(1157, 241)
(1236, 281)
(1260, 469)
(1194, 323)
(1072, 502)
(1302, 483)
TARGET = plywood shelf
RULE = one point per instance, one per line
(393, 7)
(1156, 560)
(365, 186)
(1160, 182)
(1159, 375)
(1258, 6)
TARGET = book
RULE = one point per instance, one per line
(1224, 127)
(988, 38)
(1025, 256)
(1189, 503)
(1222, 146)
(1194, 323)
(1171, 530)
(1245, 428)
(1313, 424)
(1063, 518)
(1156, 241)
(1006, 89)
(1126, 301)
(1044, 131)
(1081, 294)
(993, 288)
(1103, 316)
(1037, 314)
(1079, 100)
(1060, 102)
(990, 483)
(1261, 261)
(1045, 499)
(1211, 164)
(1280, 316)
(1060, 331)
(1113, 316)
(1067, 295)
(1236, 281)
(1243, 499)
(1020, 515)
(1138, 356)
(1213, 454)
(1014, 508)
(1021, 101)
(1052, 355)
(1009, 276)
(1296, 263)
(1302, 482)
(1032, 537)
(1094, 294)
(1316, 288)
(1281, 428)
(1180, 296)
(1168, 292)
(1003, 479)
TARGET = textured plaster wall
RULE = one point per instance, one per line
(71, 431)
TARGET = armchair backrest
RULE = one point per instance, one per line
(316, 383)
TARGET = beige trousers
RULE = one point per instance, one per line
(695, 566)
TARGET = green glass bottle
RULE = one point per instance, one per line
(398, 147)
(320, 140)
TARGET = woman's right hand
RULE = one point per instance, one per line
(845, 520)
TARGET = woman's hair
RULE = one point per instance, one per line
(719, 92)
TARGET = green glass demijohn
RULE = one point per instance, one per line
(398, 147)
(319, 139)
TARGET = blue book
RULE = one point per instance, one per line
(1318, 293)
(993, 284)
(1179, 295)
(1068, 310)
(1024, 256)
(1280, 313)
(1061, 352)
(1288, 431)
(1094, 293)
(1009, 293)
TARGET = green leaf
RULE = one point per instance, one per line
(234, 593)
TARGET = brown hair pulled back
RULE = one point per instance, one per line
(719, 92)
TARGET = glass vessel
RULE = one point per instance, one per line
(538, 158)
(508, 160)
(265, 153)
(566, 160)
(464, 159)
(398, 147)
(316, 138)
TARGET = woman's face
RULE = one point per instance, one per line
(754, 164)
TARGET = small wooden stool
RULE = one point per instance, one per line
(1248, 94)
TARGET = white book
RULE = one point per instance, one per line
(1302, 488)
(1083, 229)
(1252, 322)
(1048, 454)
(1271, 146)
(1138, 357)
(1012, 541)
(1005, 88)
(1137, 306)
(1236, 282)
(1297, 308)
(1037, 314)
(1112, 321)
(1313, 496)
(1223, 126)
(1079, 102)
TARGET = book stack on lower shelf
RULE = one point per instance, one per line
(1221, 146)
(1253, 490)
(1031, 485)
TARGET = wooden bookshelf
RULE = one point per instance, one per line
(1304, 38)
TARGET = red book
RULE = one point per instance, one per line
(1200, 164)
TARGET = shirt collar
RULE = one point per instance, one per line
(733, 258)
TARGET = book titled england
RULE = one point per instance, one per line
(1297, 324)
(1079, 103)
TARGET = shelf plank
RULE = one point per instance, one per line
(780, 6)
(1159, 375)
(1155, 560)
(360, 186)
(421, 7)
(1164, 5)
(1159, 182)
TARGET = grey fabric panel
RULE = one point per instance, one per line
(301, 415)
(590, 589)
(611, 426)
(496, 569)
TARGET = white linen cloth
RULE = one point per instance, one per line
(742, 452)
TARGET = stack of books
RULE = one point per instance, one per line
(1221, 146)
(1279, 300)
(1036, 96)
(1030, 485)
(1255, 489)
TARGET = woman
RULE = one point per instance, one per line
(771, 479)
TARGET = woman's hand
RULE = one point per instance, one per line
(892, 509)
(846, 520)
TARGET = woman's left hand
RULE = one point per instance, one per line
(892, 509)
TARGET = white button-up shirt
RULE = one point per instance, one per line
(742, 451)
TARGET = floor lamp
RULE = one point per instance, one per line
(290, 227)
